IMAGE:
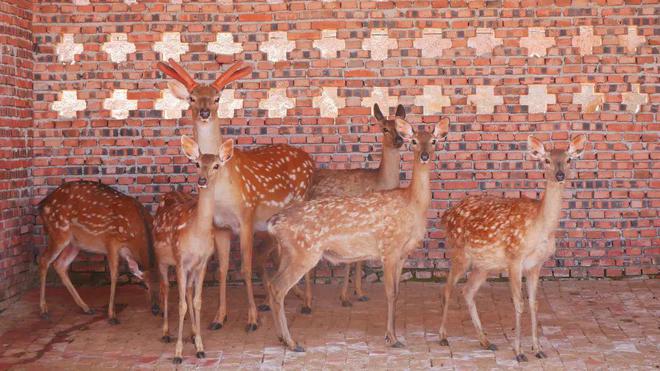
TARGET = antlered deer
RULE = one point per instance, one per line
(183, 237)
(254, 185)
(492, 234)
(385, 225)
(96, 218)
(354, 182)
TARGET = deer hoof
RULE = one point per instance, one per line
(201, 355)
(166, 339)
(155, 309)
(298, 349)
(215, 326)
(346, 303)
(263, 308)
(541, 355)
(398, 344)
(251, 327)
(492, 347)
(177, 360)
(306, 310)
(521, 358)
(45, 315)
(113, 321)
(363, 298)
(89, 312)
(444, 342)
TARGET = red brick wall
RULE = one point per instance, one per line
(610, 224)
(15, 155)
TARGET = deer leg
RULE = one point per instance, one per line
(456, 271)
(389, 278)
(61, 266)
(532, 285)
(197, 302)
(515, 282)
(265, 252)
(475, 280)
(54, 249)
(164, 296)
(222, 242)
(357, 277)
(307, 300)
(344, 288)
(113, 263)
(189, 302)
(182, 284)
(246, 268)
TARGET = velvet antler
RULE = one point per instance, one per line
(235, 72)
(175, 71)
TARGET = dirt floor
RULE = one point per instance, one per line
(584, 325)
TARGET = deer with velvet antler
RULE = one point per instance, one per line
(254, 184)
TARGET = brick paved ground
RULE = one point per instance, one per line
(584, 325)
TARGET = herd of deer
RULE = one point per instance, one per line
(302, 215)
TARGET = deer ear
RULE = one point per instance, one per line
(226, 151)
(441, 128)
(535, 148)
(178, 89)
(404, 128)
(377, 114)
(190, 148)
(400, 112)
(576, 149)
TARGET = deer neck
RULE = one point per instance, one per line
(388, 171)
(207, 135)
(419, 191)
(205, 208)
(551, 206)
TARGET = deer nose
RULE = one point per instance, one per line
(398, 141)
(560, 176)
(202, 182)
(424, 156)
(205, 113)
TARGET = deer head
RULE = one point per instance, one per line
(422, 143)
(556, 163)
(391, 137)
(203, 98)
(208, 165)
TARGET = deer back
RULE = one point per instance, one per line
(489, 222)
(350, 182)
(100, 212)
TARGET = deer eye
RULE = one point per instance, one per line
(568, 160)
(191, 99)
(414, 141)
(547, 161)
(197, 165)
(386, 130)
(217, 100)
(434, 141)
(216, 166)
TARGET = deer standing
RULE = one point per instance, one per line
(96, 218)
(385, 225)
(354, 182)
(183, 236)
(516, 235)
(253, 186)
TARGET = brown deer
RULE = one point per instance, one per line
(253, 186)
(96, 218)
(183, 237)
(385, 225)
(354, 182)
(516, 235)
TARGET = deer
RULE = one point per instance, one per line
(385, 225)
(184, 238)
(254, 185)
(516, 235)
(353, 182)
(96, 218)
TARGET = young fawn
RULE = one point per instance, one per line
(94, 217)
(354, 182)
(183, 236)
(385, 225)
(493, 234)
(255, 185)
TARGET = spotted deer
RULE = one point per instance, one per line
(183, 238)
(96, 218)
(516, 235)
(354, 182)
(254, 184)
(385, 225)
